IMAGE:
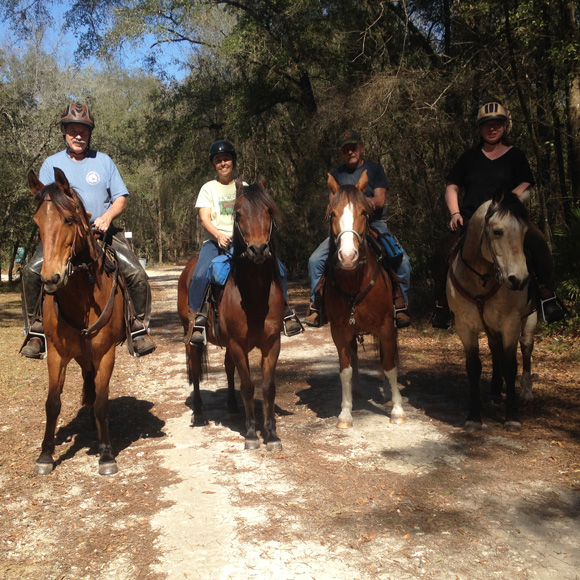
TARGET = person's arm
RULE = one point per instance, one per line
(452, 201)
(379, 198)
(205, 217)
(103, 222)
(521, 188)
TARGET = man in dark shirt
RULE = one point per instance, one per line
(351, 150)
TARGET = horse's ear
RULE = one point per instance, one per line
(363, 182)
(239, 185)
(262, 182)
(61, 180)
(332, 184)
(35, 184)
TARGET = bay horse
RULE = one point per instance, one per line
(83, 311)
(250, 313)
(358, 295)
(488, 291)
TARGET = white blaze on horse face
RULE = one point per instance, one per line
(347, 248)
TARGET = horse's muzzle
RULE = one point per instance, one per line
(258, 254)
(51, 285)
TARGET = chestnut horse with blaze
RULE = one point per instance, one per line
(250, 313)
(83, 311)
(358, 295)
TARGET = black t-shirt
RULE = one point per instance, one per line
(376, 176)
(481, 177)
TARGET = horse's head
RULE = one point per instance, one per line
(348, 213)
(254, 218)
(506, 224)
(63, 225)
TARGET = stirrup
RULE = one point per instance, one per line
(548, 301)
(292, 317)
(405, 322)
(202, 331)
(42, 337)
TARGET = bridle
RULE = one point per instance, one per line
(268, 241)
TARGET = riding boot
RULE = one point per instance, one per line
(313, 316)
(139, 290)
(292, 324)
(31, 289)
(402, 316)
(549, 307)
(441, 317)
(197, 332)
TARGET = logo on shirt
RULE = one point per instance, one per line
(93, 178)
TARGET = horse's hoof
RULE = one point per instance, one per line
(398, 420)
(472, 426)
(274, 445)
(344, 424)
(43, 468)
(252, 444)
(513, 426)
(198, 420)
(109, 468)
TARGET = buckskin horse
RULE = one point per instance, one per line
(488, 291)
(82, 312)
(250, 313)
(358, 295)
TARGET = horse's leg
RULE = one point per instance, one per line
(354, 365)
(344, 347)
(496, 347)
(510, 371)
(240, 359)
(107, 463)
(473, 367)
(56, 375)
(389, 365)
(269, 360)
(194, 358)
(527, 346)
(233, 406)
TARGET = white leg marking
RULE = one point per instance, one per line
(345, 417)
(397, 414)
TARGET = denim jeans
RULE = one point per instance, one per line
(209, 251)
(318, 258)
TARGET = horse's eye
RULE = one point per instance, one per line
(68, 221)
(237, 215)
(497, 232)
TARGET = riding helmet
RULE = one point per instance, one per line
(77, 113)
(222, 147)
(493, 111)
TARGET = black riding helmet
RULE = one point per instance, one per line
(222, 147)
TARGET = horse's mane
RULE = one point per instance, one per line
(70, 208)
(257, 195)
(508, 203)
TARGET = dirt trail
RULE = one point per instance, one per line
(380, 501)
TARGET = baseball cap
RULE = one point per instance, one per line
(350, 136)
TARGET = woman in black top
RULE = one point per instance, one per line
(493, 166)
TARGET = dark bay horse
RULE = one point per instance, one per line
(488, 291)
(358, 295)
(250, 313)
(82, 313)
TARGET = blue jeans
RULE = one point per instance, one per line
(318, 258)
(209, 251)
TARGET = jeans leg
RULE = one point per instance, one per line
(209, 251)
(316, 266)
(404, 271)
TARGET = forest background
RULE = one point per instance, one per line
(282, 79)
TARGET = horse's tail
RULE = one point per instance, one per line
(197, 365)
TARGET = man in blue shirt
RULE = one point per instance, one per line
(97, 181)
(351, 150)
